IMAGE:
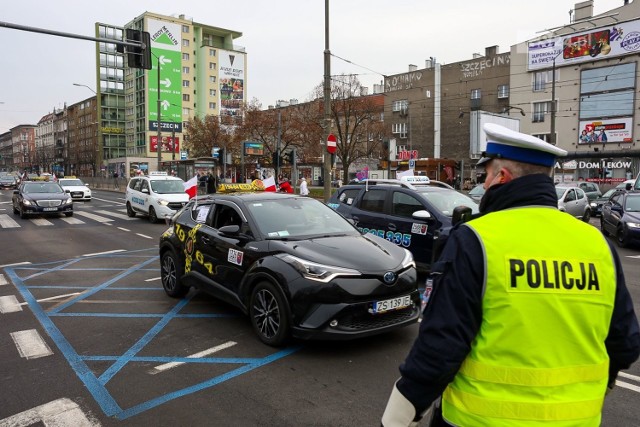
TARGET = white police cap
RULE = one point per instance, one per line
(504, 143)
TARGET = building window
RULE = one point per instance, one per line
(503, 91)
(212, 79)
(476, 93)
(185, 42)
(185, 97)
(185, 70)
(212, 65)
(212, 92)
(185, 28)
(212, 105)
(185, 56)
(212, 52)
(542, 78)
(539, 111)
(399, 129)
(546, 137)
(185, 83)
(400, 105)
(185, 111)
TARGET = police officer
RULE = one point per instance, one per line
(530, 319)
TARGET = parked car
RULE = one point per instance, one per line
(411, 215)
(292, 264)
(573, 201)
(596, 205)
(41, 197)
(621, 217)
(477, 192)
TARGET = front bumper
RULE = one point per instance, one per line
(39, 210)
(80, 196)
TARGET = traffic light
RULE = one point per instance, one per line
(274, 158)
(139, 57)
(290, 156)
(221, 158)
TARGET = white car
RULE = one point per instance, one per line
(574, 201)
(157, 196)
(77, 189)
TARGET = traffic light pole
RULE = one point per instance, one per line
(159, 141)
(327, 103)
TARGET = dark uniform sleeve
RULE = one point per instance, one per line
(623, 341)
(450, 321)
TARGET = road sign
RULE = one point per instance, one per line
(183, 155)
(331, 143)
(412, 164)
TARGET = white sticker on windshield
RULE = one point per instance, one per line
(235, 257)
(419, 228)
(202, 213)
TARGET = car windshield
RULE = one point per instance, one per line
(167, 186)
(478, 190)
(298, 218)
(608, 193)
(43, 187)
(70, 182)
(560, 192)
(632, 204)
(447, 200)
(6, 179)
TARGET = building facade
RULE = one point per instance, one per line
(82, 150)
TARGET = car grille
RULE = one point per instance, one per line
(49, 203)
(176, 205)
(77, 194)
(363, 321)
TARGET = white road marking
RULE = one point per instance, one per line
(166, 366)
(41, 221)
(144, 235)
(633, 256)
(7, 222)
(628, 386)
(124, 229)
(94, 217)
(59, 413)
(117, 215)
(108, 201)
(52, 298)
(30, 344)
(3, 280)
(631, 377)
(106, 253)
(15, 263)
(6, 203)
(146, 280)
(9, 304)
(72, 220)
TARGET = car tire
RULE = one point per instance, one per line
(171, 271)
(602, 227)
(621, 238)
(269, 314)
(68, 214)
(587, 215)
(15, 211)
(153, 217)
(130, 212)
(22, 214)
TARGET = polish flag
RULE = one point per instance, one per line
(269, 184)
(191, 187)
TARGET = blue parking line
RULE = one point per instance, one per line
(112, 288)
(146, 315)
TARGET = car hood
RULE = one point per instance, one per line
(632, 217)
(364, 253)
(173, 197)
(75, 187)
(46, 196)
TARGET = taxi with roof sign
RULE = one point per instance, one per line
(158, 196)
(296, 267)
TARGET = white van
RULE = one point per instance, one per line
(158, 196)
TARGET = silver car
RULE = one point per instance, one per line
(573, 201)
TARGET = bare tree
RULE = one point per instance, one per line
(204, 134)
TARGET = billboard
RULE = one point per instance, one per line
(622, 38)
(478, 141)
(231, 78)
(603, 131)
(169, 144)
(166, 42)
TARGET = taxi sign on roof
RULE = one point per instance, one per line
(158, 173)
(255, 185)
(416, 179)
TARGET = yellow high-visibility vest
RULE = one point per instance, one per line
(539, 357)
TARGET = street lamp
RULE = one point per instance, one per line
(78, 84)
(508, 108)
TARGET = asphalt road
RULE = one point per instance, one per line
(88, 336)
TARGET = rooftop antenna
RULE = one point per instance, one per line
(570, 15)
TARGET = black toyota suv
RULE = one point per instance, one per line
(410, 214)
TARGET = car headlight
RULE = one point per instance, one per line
(69, 200)
(594, 205)
(408, 261)
(633, 225)
(314, 271)
(163, 202)
(26, 202)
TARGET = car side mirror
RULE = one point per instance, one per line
(422, 214)
(461, 214)
(145, 191)
(628, 187)
(230, 230)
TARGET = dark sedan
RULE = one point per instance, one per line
(41, 198)
(8, 182)
(621, 217)
(596, 204)
(295, 266)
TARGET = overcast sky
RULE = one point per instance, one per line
(284, 41)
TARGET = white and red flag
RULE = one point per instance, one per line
(191, 187)
(269, 184)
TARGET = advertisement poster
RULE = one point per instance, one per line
(166, 40)
(169, 145)
(231, 75)
(600, 43)
(603, 131)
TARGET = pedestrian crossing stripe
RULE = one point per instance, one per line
(7, 222)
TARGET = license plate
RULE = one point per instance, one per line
(49, 209)
(391, 304)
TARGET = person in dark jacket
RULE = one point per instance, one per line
(509, 335)
(212, 183)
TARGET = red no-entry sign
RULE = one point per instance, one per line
(331, 143)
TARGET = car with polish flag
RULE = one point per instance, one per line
(157, 196)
